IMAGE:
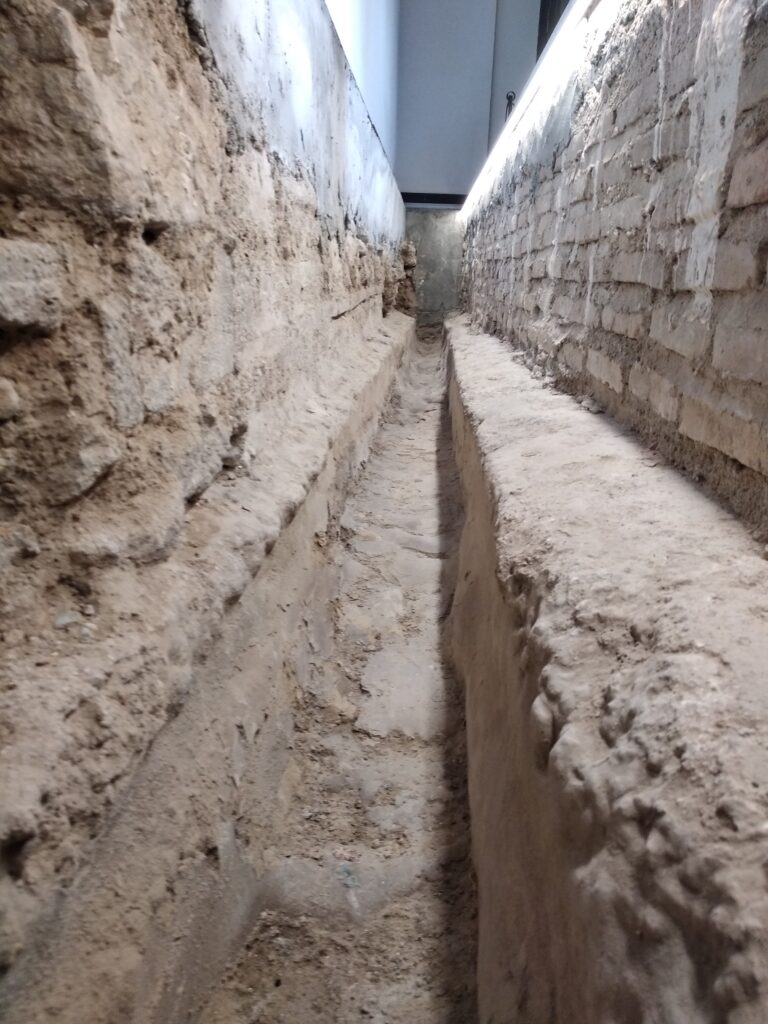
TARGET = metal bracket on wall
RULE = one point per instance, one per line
(511, 97)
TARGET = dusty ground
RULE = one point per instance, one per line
(369, 900)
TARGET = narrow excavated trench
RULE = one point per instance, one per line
(369, 902)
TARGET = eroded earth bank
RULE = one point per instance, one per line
(368, 895)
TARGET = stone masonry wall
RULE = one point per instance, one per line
(199, 256)
(619, 234)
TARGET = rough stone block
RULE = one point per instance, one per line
(613, 173)
(639, 102)
(624, 215)
(605, 369)
(543, 202)
(582, 186)
(30, 286)
(735, 267)
(572, 356)
(567, 265)
(631, 325)
(672, 139)
(569, 309)
(749, 181)
(538, 269)
(631, 298)
(652, 389)
(587, 227)
(741, 352)
(710, 424)
(753, 87)
(641, 151)
(648, 268)
(682, 326)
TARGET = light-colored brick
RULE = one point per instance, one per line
(753, 88)
(749, 181)
(568, 308)
(648, 268)
(673, 138)
(643, 98)
(582, 186)
(742, 439)
(682, 326)
(605, 369)
(735, 266)
(544, 200)
(587, 227)
(631, 325)
(641, 151)
(741, 352)
(571, 355)
(625, 215)
(652, 389)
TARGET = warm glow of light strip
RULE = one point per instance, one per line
(583, 25)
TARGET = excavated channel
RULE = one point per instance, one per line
(369, 903)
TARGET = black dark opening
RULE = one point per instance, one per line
(435, 198)
(550, 13)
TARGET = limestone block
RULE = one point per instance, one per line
(641, 151)
(639, 102)
(582, 186)
(753, 87)
(571, 356)
(651, 388)
(682, 326)
(624, 215)
(543, 201)
(588, 227)
(648, 268)
(749, 182)
(741, 352)
(631, 325)
(537, 269)
(613, 173)
(735, 267)
(568, 308)
(710, 424)
(30, 286)
(605, 369)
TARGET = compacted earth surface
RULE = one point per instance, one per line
(369, 897)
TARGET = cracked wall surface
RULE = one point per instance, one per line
(619, 233)
(199, 260)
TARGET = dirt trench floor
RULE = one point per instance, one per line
(369, 906)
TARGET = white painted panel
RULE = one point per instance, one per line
(444, 94)
(517, 25)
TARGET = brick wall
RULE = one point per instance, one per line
(619, 234)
